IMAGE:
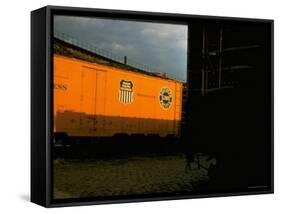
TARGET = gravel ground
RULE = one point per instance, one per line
(125, 176)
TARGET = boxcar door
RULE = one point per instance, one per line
(100, 102)
(87, 119)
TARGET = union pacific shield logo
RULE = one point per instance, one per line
(126, 94)
(165, 97)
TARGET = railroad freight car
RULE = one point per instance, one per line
(96, 100)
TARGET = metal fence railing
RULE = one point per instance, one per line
(108, 54)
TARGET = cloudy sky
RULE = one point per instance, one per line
(162, 47)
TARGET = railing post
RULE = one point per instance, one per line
(125, 60)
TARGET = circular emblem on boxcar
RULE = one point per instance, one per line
(126, 94)
(165, 97)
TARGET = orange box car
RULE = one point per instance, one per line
(96, 100)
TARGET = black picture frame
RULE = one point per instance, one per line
(42, 100)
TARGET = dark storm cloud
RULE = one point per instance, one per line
(160, 46)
